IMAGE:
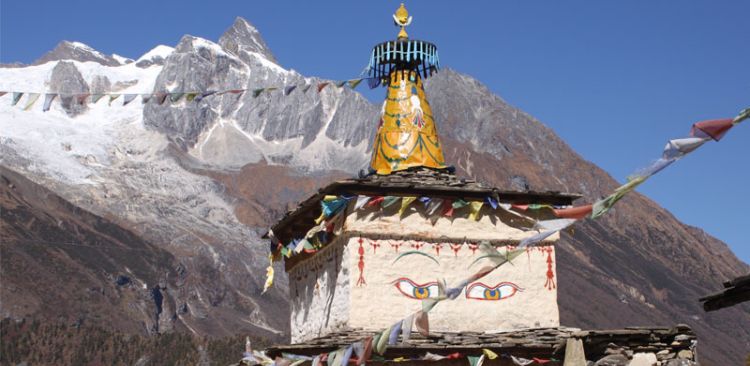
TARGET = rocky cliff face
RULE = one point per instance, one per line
(201, 181)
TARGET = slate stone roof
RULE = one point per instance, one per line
(528, 343)
(735, 291)
(441, 183)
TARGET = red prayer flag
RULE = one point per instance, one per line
(448, 208)
(573, 212)
(366, 352)
(715, 128)
(375, 201)
(321, 86)
(520, 207)
(540, 361)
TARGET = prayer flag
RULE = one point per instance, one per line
(289, 89)
(48, 98)
(389, 200)
(145, 98)
(32, 99)
(383, 341)
(459, 203)
(373, 82)
(269, 274)
(306, 88)
(175, 97)
(680, 147)
(16, 97)
(81, 98)
(492, 202)
(475, 207)
(434, 205)
(491, 355)
(375, 201)
(3, 93)
(160, 97)
(448, 208)
(340, 84)
(573, 212)
(205, 94)
(395, 330)
(361, 201)
(112, 98)
(128, 98)
(322, 86)
(367, 351)
(405, 202)
(422, 322)
(406, 328)
(603, 205)
(354, 82)
(715, 129)
(190, 96)
(95, 97)
(347, 355)
(257, 92)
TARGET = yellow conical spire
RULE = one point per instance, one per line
(407, 136)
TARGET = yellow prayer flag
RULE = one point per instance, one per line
(491, 355)
(475, 206)
(405, 202)
(269, 274)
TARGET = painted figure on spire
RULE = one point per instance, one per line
(407, 136)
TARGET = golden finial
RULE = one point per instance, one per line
(402, 19)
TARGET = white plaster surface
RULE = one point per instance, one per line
(326, 295)
(379, 303)
(319, 289)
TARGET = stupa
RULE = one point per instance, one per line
(404, 263)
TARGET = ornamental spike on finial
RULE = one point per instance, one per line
(402, 19)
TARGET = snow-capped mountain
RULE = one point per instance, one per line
(78, 51)
(201, 180)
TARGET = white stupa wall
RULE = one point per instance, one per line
(373, 282)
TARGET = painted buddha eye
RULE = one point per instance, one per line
(503, 290)
(416, 291)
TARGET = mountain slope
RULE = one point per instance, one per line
(201, 181)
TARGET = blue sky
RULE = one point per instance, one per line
(613, 79)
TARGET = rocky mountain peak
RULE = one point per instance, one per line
(243, 37)
(156, 56)
(77, 51)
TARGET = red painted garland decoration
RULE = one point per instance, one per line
(361, 263)
(473, 248)
(456, 248)
(550, 284)
(417, 245)
(375, 245)
(395, 245)
(437, 247)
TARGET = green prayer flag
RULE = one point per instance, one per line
(175, 97)
(459, 203)
(257, 92)
(383, 341)
(190, 96)
(389, 200)
(605, 204)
